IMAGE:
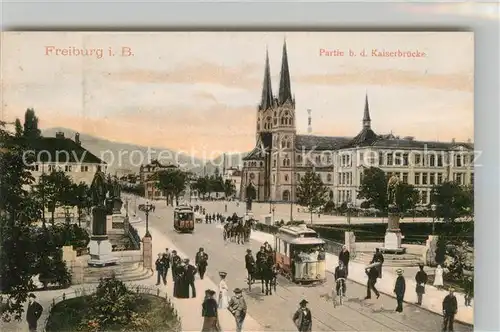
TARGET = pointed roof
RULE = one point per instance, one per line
(366, 114)
(285, 89)
(267, 92)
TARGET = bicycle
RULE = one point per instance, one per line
(340, 296)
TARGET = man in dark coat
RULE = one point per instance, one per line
(344, 257)
(250, 265)
(201, 262)
(372, 273)
(33, 313)
(176, 261)
(189, 277)
(450, 308)
(166, 265)
(180, 281)
(340, 273)
(378, 258)
(399, 289)
(159, 268)
(303, 317)
(421, 280)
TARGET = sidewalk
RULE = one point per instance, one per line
(433, 297)
(190, 309)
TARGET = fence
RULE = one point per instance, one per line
(138, 289)
(131, 232)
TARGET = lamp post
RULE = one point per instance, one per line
(83, 203)
(349, 207)
(433, 208)
(126, 206)
(148, 208)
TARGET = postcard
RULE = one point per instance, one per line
(286, 180)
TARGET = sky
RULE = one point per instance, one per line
(199, 91)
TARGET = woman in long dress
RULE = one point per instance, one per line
(223, 291)
(209, 313)
(438, 277)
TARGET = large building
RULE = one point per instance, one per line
(65, 154)
(272, 170)
(148, 177)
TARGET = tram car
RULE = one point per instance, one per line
(184, 219)
(300, 254)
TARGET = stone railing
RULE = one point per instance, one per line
(138, 289)
(133, 235)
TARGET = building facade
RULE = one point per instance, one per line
(66, 154)
(147, 177)
(273, 169)
(233, 174)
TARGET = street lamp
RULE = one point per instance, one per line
(126, 206)
(148, 208)
(349, 207)
(83, 203)
(433, 208)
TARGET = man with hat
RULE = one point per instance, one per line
(303, 317)
(209, 313)
(399, 289)
(201, 262)
(421, 280)
(166, 265)
(176, 262)
(250, 265)
(33, 313)
(159, 268)
(450, 308)
(189, 277)
(238, 308)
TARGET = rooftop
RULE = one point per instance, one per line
(62, 150)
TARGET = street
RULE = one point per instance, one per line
(274, 312)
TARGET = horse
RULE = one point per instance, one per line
(247, 230)
(267, 274)
(238, 232)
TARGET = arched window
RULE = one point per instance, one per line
(275, 121)
(286, 178)
(261, 164)
(286, 195)
(274, 163)
(299, 158)
(284, 162)
(288, 144)
(288, 162)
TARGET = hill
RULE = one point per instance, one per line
(231, 160)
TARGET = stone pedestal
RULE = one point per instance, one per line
(350, 242)
(147, 252)
(77, 272)
(100, 248)
(117, 205)
(393, 236)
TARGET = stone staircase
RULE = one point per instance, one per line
(123, 271)
(390, 260)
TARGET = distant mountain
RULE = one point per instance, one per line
(231, 160)
(123, 157)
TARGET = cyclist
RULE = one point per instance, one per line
(340, 277)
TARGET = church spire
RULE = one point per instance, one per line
(267, 92)
(366, 115)
(285, 92)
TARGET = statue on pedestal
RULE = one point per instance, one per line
(99, 190)
(116, 195)
(392, 186)
(392, 241)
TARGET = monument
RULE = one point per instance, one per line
(100, 248)
(393, 236)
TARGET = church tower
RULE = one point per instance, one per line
(267, 103)
(283, 131)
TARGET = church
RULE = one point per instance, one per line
(273, 169)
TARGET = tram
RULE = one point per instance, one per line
(184, 219)
(300, 254)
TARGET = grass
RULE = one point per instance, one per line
(67, 315)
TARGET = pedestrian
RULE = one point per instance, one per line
(399, 289)
(166, 265)
(238, 308)
(303, 317)
(378, 258)
(206, 218)
(209, 313)
(201, 261)
(340, 273)
(421, 279)
(179, 281)
(344, 257)
(176, 262)
(450, 308)
(438, 277)
(159, 268)
(189, 277)
(223, 291)
(468, 290)
(225, 208)
(33, 313)
(372, 273)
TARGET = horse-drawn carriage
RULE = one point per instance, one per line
(266, 271)
(237, 229)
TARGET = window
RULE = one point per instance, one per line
(286, 178)
(418, 159)
(424, 197)
(417, 179)
(380, 158)
(329, 177)
(37, 168)
(274, 178)
(472, 178)
(343, 179)
(432, 178)
(299, 158)
(440, 161)
(390, 161)
(405, 177)
(339, 177)
(360, 158)
(84, 168)
(397, 159)
(344, 160)
(458, 160)
(288, 144)
(274, 162)
(459, 178)
(424, 178)
(67, 168)
(318, 160)
(405, 159)
(51, 168)
(432, 160)
(439, 178)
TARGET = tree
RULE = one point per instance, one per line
(55, 187)
(19, 128)
(374, 188)
(229, 188)
(452, 200)
(80, 193)
(173, 182)
(31, 130)
(407, 197)
(311, 191)
(202, 185)
(18, 212)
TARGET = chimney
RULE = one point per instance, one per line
(469, 140)
(453, 140)
(59, 134)
(77, 139)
